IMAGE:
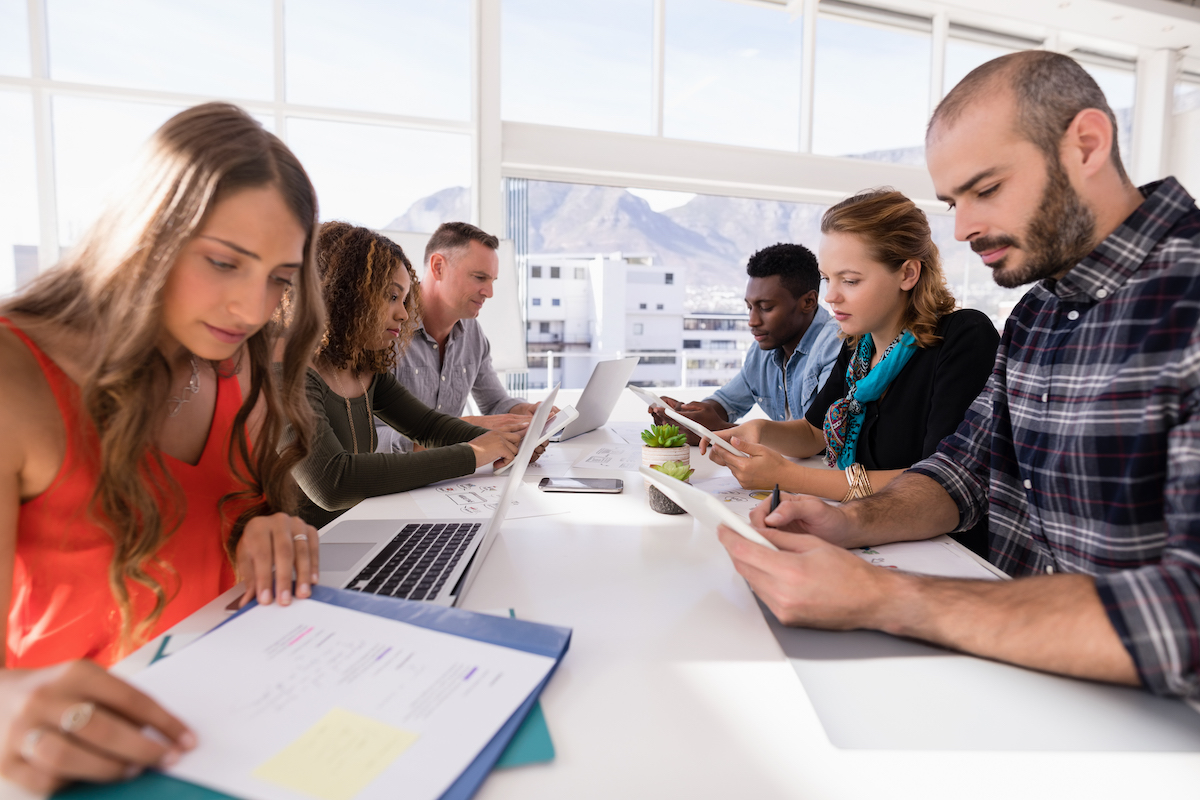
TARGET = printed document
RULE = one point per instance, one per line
(319, 701)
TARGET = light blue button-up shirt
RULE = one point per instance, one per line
(784, 391)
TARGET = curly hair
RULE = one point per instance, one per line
(356, 265)
(795, 265)
(895, 231)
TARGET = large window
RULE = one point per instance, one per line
(732, 74)
(18, 192)
(1119, 85)
(871, 91)
(14, 38)
(963, 55)
(385, 177)
(410, 57)
(583, 63)
(139, 44)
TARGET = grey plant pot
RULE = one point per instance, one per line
(660, 502)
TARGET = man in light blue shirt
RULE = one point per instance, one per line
(797, 344)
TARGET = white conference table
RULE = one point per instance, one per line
(674, 685)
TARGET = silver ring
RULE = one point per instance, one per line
(76, 717)
(300, 537)
(30, 741)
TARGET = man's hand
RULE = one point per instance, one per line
(805, 514)
(809, 581)
(702, 412)
(497, 422)
(529, 409)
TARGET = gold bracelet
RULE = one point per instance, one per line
(860, 484)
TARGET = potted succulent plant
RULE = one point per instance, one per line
(659, 501)
(663, 443)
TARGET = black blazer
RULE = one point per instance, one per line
(925, 403)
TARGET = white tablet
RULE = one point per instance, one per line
(703, 506)
(702, 432)
(565, 416)
(650, 398)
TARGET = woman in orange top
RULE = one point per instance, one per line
(142, 418)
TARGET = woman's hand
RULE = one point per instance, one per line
(74, 721)
(499, 446)
(748, 432)
(760, 468)
(270, 551)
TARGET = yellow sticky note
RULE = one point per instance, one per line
(336, 758)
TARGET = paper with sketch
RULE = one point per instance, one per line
(727, 489)
(624, 457)
(476, 496)
(942, 557)
(319, 701)
(631, 432)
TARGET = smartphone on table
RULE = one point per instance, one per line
(592, 485)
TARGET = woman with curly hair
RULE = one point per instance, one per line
(140, 463)
(910, 367)
(372, 299)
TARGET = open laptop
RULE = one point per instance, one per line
(599, 396)
(422, 559)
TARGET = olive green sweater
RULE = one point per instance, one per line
(335, 478)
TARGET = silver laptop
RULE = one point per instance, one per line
(422, 559)
(599, 396)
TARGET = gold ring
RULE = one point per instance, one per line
(76, 717)
(30, 741)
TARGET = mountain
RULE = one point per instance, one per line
(427, 213)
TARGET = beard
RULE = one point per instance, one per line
(1059, 236)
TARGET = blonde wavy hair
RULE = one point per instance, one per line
(895, 231)
(108, 290)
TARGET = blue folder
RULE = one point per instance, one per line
(529, 637)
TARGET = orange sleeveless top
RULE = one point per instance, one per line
(62, 606)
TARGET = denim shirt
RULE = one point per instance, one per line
(780, 388)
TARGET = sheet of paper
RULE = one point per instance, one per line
(631, 432)
(623, 457)
(941, 557)
(726, 489)
(318, 701)
(478, 496)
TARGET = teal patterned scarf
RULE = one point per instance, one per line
(863, 385)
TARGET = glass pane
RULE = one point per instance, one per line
(732, 74)
(365, 55)
(1119, 87)
(227, 52)
(18, 193)
(583, 64)
(1187, 96)
(384, 177)
(871, 92)
(14, 38)
(963, 56)
(95, 142)
(968, 278)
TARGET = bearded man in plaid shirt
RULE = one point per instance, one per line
(1083, 449)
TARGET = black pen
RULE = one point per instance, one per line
(775, 498)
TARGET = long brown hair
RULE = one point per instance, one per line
(356, 266)
(108, 291)
(894, 231)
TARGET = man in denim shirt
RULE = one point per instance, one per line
(797, 344)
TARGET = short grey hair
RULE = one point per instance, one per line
(457, 235)
(1050, 90)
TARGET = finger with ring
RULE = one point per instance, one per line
(76, 717)
(30, 741)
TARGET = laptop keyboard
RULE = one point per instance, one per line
(416, 562)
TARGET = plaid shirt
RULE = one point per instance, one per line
(1084, 447)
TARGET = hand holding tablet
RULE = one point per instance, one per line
(647, 396)
(556, 423)
(702, 432)
(703, 506)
